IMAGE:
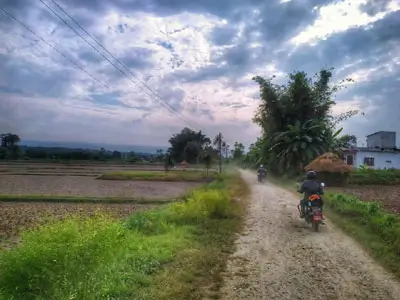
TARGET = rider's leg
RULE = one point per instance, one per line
(302, 208)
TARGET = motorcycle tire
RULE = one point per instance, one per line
(315, 226)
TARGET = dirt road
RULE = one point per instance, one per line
(279, 257)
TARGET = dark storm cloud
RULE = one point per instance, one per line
(381, 92)
(223, 35)
(173, 96)
(36, 80)
(373, 7)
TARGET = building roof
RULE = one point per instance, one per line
(380, 132)
(366, 149)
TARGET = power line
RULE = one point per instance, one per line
(53, 47)
(58, 51)
(157, 98)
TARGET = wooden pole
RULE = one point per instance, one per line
(220, 152)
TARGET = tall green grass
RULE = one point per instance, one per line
(173, 252)
(367, 176)
(372, 226)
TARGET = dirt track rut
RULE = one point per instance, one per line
(279, 257)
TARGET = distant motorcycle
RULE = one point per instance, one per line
(313, 213)
(261, 176)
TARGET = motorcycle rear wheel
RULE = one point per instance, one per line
(315, 226)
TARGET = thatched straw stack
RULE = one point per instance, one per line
(328, 162)
(184, 164)
(330, 169)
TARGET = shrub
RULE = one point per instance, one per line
(203, 204)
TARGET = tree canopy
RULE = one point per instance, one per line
(188, 145)
(296, 121)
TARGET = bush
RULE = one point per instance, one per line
(371, 176)
(201, 205)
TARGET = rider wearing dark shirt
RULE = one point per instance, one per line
(310, 187)
(262, 170)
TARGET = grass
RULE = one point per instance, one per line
(377, 230)
(175, 252)
(80, 199)
(367, 176)
(173, 175)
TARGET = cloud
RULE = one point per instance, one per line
(187, 63)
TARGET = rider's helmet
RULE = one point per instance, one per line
(261, 166)
(311, 174)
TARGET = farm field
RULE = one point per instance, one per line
(79, 179)
(389, 196)
(90, 187)
(31, 193)
(74, 168)
(17, 216)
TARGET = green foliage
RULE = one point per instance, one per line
(9, 148)
(371, 176)
(238, 152)
(101, 258)
(202, 205)
(207, 160)
(64, 260)
(296, 122)
(376, 228)
(188, 145)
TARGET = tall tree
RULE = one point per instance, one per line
(296, 121)
(9, 145)
(238, 151)
(188, 145)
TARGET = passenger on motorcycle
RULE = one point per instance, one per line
(310, 186)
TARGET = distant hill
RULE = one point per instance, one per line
(92, 146)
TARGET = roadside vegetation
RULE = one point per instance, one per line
(365, 176)
(371, 225)
(174, 252)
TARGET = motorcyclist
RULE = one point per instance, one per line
(309, 187)
(262, 170)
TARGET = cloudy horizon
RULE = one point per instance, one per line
(198, 57)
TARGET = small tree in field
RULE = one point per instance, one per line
(207, 159)
(167, 162)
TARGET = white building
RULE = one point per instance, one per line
(380, 153)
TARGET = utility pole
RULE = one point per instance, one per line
(220, 152)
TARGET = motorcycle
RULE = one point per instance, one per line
(313, 213)
(261, 177)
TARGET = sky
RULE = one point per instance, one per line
(170, 64)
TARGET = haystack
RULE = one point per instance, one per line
(328, 162)
(184, 164)
(330, 169)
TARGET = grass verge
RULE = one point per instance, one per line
(377, 230)
(175, 252)
(173, 175)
